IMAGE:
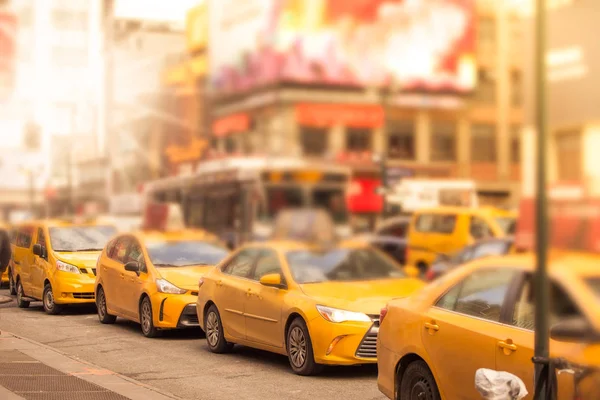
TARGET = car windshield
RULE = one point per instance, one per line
(507, 224)
(311, 266)
(185, 253)
(80, 238)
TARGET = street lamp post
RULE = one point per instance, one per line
(541, 276)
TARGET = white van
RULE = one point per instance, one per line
(413, 194)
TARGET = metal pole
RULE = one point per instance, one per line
(542, 226)
(108, 25)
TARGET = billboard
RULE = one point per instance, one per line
(8, 35)
(422, 45)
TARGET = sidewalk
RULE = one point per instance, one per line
(5, 299)
(31, 370)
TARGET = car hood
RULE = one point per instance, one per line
(81, 259)
(368, 297)
(184, 277)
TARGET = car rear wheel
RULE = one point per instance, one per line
(418, 383)
(103, 314)
(11, 284)
(213, 327)
(146, 321)
(48, 300)
(21, 302)
(300, 350)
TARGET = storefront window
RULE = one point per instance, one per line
(486, 88)
(515, 144)
(483, 143)
(358, 139)
(401, 141)
(443, 141)
(568, 147)
(313, 141)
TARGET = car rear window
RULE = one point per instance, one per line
(436, 223)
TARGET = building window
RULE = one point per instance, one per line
(483, 143)
(230, 145)
(313, 141)
(401, 140)
(443, 141)
(358, 139)
(486, 87)
(515, 145)
(516, 90)
(568, 147)
(486, 35)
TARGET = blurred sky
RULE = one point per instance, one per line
(154, 10)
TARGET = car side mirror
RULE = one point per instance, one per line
(576, 329)
(40, 251)
(133, 266)
(273, 280)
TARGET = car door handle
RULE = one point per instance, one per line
(249, 292)
(219, 283)
(18, 262)
(507, 346)
(122, 276)
(432, 326)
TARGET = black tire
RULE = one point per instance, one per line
(418, 383)
(146, 321)
(300, 351)
(103, 314)
(21, 303)
(213, 328)
(48, 301)
(12, 288)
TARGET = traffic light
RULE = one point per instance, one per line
(32, 136)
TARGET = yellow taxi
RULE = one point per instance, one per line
(446, 230)
(315, 302)
(481, 315)
(4, 277)
(54, 261)
(505, 218)
(151, 277)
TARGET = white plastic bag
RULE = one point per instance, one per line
(499, 385)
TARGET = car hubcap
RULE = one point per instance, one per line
(212, 329)
(297, 347)
(49, 300)
(420, 391)
(11, 284)
(19, 292)
(101, 303)
(146, 316)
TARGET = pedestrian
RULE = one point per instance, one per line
(5, 250)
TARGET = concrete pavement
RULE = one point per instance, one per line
(29, 369)
(179, 362)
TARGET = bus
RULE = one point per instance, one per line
(238, 198)
(413, 194)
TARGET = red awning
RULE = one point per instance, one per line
(351, 115)
(230, 124)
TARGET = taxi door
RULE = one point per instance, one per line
(132, 284)
(232, 291)
(458, 331)
(113, 270)
(515, 340)
(25, 257)
(263, 307)
(39, 266)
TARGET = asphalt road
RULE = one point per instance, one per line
(179, 362)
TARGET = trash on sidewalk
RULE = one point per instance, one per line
(499, 385)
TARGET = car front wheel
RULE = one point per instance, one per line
(11, 284)
(21, 302)
(418, 383)
(103, 314)
(48, 300)
(148, 328)
(300, 350)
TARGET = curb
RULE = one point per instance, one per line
(98, 373)
(5, 299)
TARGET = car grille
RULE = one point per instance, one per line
(94, 271)
(188, 317)
(194, 293)
(84, 295)
(87, 271)
(368, 346)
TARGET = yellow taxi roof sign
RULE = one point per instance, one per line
(305, 224)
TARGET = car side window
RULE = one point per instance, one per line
(479, 229)
(41, 238)
(241, 264)
(24, 237)
(436, 223)
(135, 253)
(267, 263)
(493, 248)
(480, 295)
(561, 305)
(120, 250)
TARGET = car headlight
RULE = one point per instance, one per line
(62, 266)
(336, 315)
(164, 286)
